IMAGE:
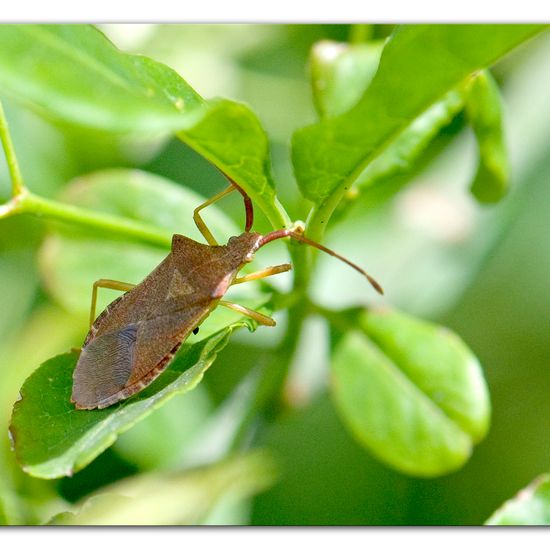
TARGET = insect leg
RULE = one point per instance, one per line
(199, 222)
(267, 272)
(257, 316)
(106, 283)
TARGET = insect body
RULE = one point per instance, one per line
(132, 342)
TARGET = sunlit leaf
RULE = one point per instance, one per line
(410, 391)
(53, 439)
(230, 135)
(418, 66)
(531, 506)
(484, 110)
(72, 72)
(340, 74)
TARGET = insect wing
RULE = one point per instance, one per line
(104, 367)
(118, 364)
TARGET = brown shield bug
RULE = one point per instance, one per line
(132, 342)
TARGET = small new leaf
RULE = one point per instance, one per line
(484, 110)
(340, 74)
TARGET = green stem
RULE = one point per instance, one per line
(360, 33)
(27, 203)
(266, 400)
(24, 202)
(17, 184)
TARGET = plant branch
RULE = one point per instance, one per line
(28, 203)
(25, 202)
(267, 398)
(17, 185)
(269, 389)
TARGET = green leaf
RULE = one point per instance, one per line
(230, 135)
(400, 156)
(419, 65)
(410, 391)
(71, 261)
(340, 74)
(53, 439)
(72, 72)
(484, 110)
(175, 498)
(531, 506)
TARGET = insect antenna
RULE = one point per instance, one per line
(282, 233)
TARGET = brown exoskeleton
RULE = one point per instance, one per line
(133, 340)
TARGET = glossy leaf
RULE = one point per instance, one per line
(72, 72)
(484, 110)
(531, 506)
(411, 392)
(71, 261)
(340, 74)
(174, 498)
(419, 64)
(53, 439)
(400, 156)
(230, 135)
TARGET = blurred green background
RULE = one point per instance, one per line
(482, 271)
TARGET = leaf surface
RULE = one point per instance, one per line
(72, 72)
(419, 65)
(411, 392)
(230, 135)
(400, 156)
(53, 439)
